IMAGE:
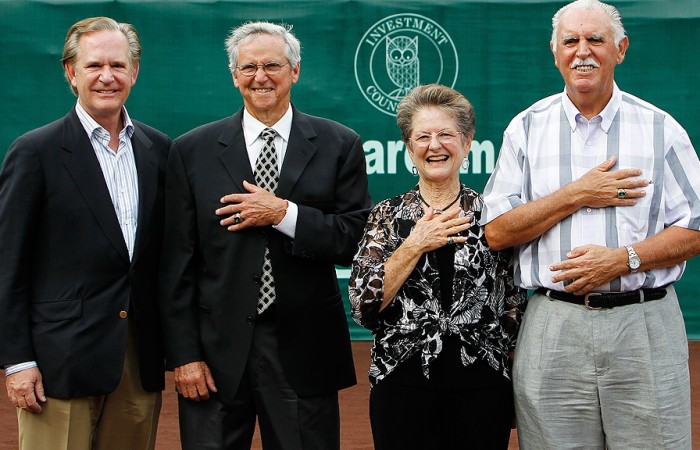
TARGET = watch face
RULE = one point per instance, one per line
(634, 263)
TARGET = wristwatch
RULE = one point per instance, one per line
(633, 262)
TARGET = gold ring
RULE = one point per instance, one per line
(621, 193)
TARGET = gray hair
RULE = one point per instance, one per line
(71, 48)
(615, 19)
(247, 31)
(438, 96)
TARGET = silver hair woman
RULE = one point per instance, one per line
(442, 306)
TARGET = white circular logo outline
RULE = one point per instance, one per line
(417, 31)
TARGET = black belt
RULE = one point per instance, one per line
(599, 300)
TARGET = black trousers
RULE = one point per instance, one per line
(406, 417)
(287, 421)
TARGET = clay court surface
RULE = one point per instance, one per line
(355, 429)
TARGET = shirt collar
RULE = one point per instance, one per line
(607, 114)
(91, 126)
(252, 127)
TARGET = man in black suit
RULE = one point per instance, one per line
(253, 317)
(81, 219)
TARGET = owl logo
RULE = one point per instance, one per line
(387, 63)
(402, 64)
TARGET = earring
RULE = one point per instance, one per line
(465, 164)
(414, 171)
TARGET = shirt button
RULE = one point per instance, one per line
(123, 314)
(589, 143)
(588, 210)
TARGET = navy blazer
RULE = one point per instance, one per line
(65, 274)
(210, 277)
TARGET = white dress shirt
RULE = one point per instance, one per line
(252, 128)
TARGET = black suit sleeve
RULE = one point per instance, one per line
(20, 207)
(334, 235)
(177, 282)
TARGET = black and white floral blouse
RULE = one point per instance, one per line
(486, 306)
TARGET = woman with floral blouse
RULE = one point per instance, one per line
(441, 305)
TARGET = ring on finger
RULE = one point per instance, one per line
(237, 218)
(621, 193)
(450, 241)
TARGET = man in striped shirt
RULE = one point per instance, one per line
(81, 220)
(599, 192)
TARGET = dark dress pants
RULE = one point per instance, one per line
(286, 421)
(405, 417)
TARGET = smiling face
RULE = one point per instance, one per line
(266, 97)
(102, 74)
(437, 163)
(586, 56)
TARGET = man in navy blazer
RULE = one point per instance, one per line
(235, 359)
(81, 221)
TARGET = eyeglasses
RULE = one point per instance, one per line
(271, 68)
(443, 137)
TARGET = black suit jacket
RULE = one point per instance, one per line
(65, 273)
(210, 276)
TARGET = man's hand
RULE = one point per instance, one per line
(194, 381)
(257, 208)
(24, 388)
(590, 266)
(599, 187)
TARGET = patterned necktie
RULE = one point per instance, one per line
(266, 175)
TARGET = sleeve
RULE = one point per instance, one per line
(515, 299)
(366, 285)
(334, 236)
(21, 195)
(681, 181)
(503, 191)
(176, 282)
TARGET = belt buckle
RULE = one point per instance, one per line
(586, 298)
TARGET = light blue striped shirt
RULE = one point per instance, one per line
(119, 171)
(551, 144)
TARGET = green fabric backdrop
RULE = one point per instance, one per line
(495, 52)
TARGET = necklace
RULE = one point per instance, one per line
(436, 210)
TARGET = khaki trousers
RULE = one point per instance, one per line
(124, 419)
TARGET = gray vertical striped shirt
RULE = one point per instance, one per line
(551, 144)
(119, 171)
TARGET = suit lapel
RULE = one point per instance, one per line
(82, 164)
(147, 171)
(234, 155)
(300, 150)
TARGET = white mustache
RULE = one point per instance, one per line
(585, 62)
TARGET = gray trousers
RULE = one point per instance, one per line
(617, 377)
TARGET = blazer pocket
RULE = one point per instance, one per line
(55, 311)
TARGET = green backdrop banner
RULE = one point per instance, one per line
(359, 57)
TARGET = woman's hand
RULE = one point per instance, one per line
(433, 231)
